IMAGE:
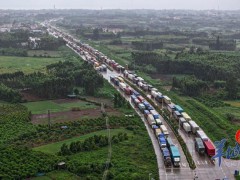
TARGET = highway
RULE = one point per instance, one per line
(205, 168)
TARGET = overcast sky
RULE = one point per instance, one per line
(121, 4)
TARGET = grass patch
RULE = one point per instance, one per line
(233, 103)
(43, 53)
(42, 107)
(10, 64)
(53, 148)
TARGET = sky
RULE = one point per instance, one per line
(121, 4)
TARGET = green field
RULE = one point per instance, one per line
(55, 147)
(57, 175)
(43, 53)
(41, 107)
(11, 64)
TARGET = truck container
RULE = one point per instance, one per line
(150, 108)
(128, 91)
(140, 98)
(199, 146)
(140, 79)
(171, 107)
(194, 126)
(146, 112)
(187, 127)
(157, 132)
(145, 87)
(136, 93)
(133, 97)
(140, 84)
(155, 114)
(130, 76)
(181, 121)
(162, 141)
(136, 102)
(175, 155)
(202, 135)
(122, 86)
(146, 104)
(186, 116)
(169, 142)
(158, 122)
(150, 87)
(164, 130)
(153, 94)
(179, 108)
(166, 157)
(151, 120)
(177, 114)
(210, 149)
(141, 107)
(135, 80)
(167, 100)
(120, 79)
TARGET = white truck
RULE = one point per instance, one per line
(194, 126)
(164, 130)
(187, 127)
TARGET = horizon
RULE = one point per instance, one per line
(123, 5)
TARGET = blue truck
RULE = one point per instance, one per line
(162, 141)
(166, 157)
(175, 155)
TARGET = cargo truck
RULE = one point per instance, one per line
(167, 100)
(151, 120)
(210, 149)
(162, 141)
(122, 86)
(169, 142)
(175, 156)
(171, 107)
(157, 132)
(186, 116)
(166, 157)
(177, 114)
(202, 135)
(199, 146)
(194, 126)
(181, 121)
(155, 114)
(141, 107)
(187, 127)
(146, 112)
(158, 122)
(179, 108)
(164, 130)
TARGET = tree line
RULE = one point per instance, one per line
(91, 143)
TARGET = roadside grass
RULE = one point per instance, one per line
(53, 148)
(233, 103)
(229, 109)
(41, 107)
(10, 64)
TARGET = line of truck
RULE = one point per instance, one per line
(202, 143)
(169, 151)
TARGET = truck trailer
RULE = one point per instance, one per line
(175, 156)
(166, 157)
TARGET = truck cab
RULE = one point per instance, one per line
(166, 157)
(162, 141)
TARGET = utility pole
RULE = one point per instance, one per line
(49, 120)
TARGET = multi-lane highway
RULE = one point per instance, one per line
(205, 168)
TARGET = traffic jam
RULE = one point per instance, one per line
(170, 152)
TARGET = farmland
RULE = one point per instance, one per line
(28, 65)
(41, 107)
